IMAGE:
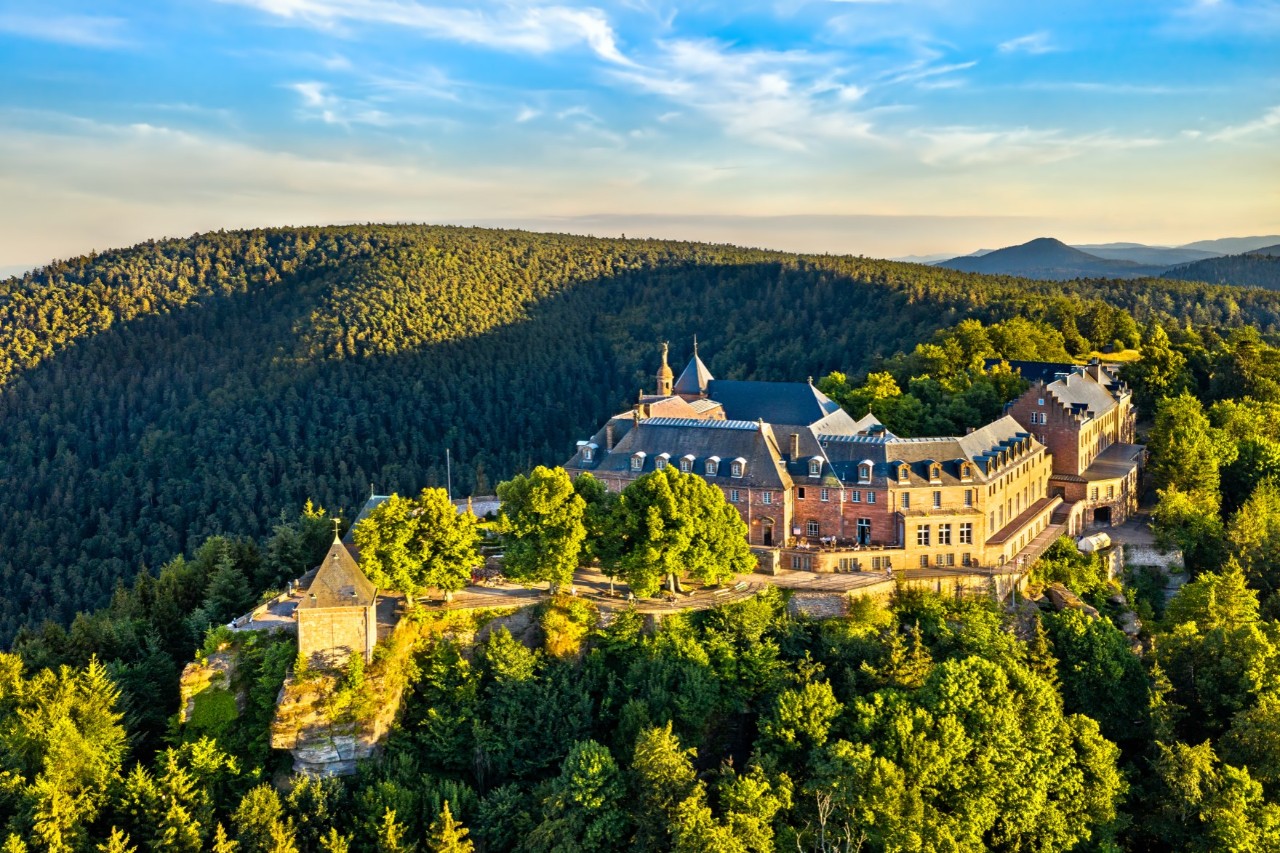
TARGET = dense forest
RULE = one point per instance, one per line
(153, 396)
(1252, 269)
(933, 724)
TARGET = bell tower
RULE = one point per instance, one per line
(665, 376)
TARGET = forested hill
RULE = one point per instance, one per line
(154, 395)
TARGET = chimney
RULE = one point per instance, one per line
(795, 446)
(608, 436)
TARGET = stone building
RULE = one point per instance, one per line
(336, 611)
(821, 491)
(1085, 415)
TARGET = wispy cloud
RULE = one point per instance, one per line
(780, 99)
(524, 28)
(1033, 43)
(1257, 18)
(78, 30)
(1268, 121)
(967, 146)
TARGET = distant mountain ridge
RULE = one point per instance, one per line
(1257, 268)
(1050, 259)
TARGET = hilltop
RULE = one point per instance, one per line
(1257, 268)
(155, 395)
(1050, 259)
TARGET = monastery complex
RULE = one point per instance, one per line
(820, 491)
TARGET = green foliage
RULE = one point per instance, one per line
(1063, 563)
(448, 836)
(542, 527)
(669, 524)
(412, 544)
(214, 709)
(1186, 452)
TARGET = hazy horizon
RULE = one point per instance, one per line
(881, 128)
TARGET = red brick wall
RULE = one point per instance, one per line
(1060, 433)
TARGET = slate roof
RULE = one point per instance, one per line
(695, 377)
(1080, 390)
(679, 437)
(1034, 371)
(338, 582)
(370, 505)
(884, 451)
(796, 403)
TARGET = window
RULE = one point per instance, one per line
(850, 564)
(871, 497)
(802, 562)
(904, 473)
(1093, 493)
(637, 462)
(922, 534)
(855, 496)
(935, 472)
(812, 528)
(586, 454)
(965, 559)
(938, 560)
(800, 492)
(937, 500)
(713, 467)
(660, 462)
(736, 469)
(881, 563)
(1040, 402)
(924, 561)
(1111, 491)
(864, 531)
(864, 472)
(968, 497)
(734, 497)
(944, 534)
(825, 495)
(766, 497)
(906, 500)
(966, 471)
(686, 465)
(815, 467)
(966, 533)
(950, 560)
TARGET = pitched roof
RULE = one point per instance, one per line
(1080, 390)
(793, 403)
(338, 582)
(1034, 371)
(695, 377)
(702, 439)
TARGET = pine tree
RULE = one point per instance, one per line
(1039, 649)
(117, 842)
(223, 844)
(447, 835)
(335, 842)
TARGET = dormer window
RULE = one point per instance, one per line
(686, 463)
(586, 454)
(935, 472)
(738, 467)
(904, 473)
(637, 461)
(864, 472)
(966, 471)
(713, 466)
(815, 467)
(660, 461)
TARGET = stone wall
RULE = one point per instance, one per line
(328, 636)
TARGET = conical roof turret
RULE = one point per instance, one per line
(695, 377)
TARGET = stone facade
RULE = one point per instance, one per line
(1086, 417)
(826, 492)
(336, 612)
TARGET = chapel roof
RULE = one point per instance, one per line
(338, 582)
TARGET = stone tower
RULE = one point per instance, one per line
(665, 376)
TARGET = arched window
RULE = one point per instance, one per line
(637, 461)
(904, 473)
(935, 472)
(586, 454)
(815, 467)
(739, 465)
(864, 472)
(713, 466)
(660, 461)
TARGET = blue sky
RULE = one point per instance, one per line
(883, 128)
